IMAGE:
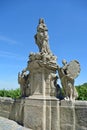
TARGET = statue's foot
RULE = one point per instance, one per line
(67, 98)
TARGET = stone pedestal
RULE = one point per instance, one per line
(41, 110)
(42, 75)
(67, 115)
(81, 115)
(41, 113)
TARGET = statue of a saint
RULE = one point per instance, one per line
(41, 37)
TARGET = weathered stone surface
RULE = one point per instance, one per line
(80, 103)
(67, 74)
(12, 109)
(33, 117)
(80, 127)
(45, 113)
(66, 127)
(55, 115)
(6, 124)
(33, 114)
(17, 111)
(73, 115)
(6, 106)
(73, 69)
(41, 78)
(66, 115)
(66, 103)
(41, 114)
(81, 114)
(23, 80)
(41, 37)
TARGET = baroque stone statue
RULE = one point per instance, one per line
(67, 74)
(23, 80)
(42, 68)
(41, 38)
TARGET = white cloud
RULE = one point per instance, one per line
(7, 40)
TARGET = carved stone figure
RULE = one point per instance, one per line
(41, 37)
(67, 74)
(38, 65)
(23, 80)
(42, 67)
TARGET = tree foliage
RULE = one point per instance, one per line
(10, 93)
(82, 91)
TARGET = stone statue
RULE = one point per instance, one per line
(42, 67)
(67, 74)
(41, 38)
(23, 80)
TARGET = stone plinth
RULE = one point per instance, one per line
(81, 115)
(42, 74)
(67, 116)
(41, 113)
(73, 115)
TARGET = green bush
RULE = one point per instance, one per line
(10, 93)
(82, 91)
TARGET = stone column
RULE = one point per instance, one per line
(41, 113)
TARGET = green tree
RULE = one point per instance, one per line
(10, 93)
(82, 91)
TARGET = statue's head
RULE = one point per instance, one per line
(64, 62)
(41, 20)
(42, 26)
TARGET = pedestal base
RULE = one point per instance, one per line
(41, 113)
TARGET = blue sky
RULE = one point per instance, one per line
(67, 27)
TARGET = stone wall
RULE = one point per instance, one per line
(73, 115)
(46, 114)
(12, 109)
(81, 115)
